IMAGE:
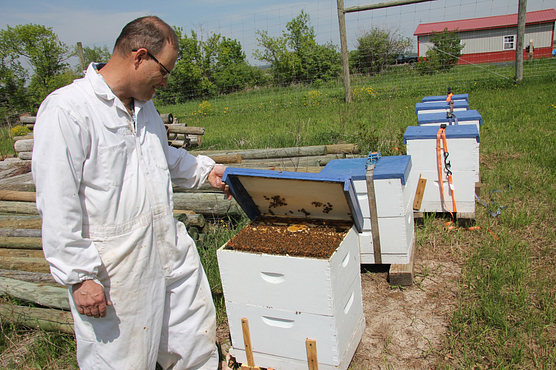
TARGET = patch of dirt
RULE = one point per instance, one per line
(405, 327)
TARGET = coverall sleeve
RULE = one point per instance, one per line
(187, 170)
(61, 144)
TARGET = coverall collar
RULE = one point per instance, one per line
(103, 91)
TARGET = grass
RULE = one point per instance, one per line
(505, 317)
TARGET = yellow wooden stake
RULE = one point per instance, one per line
(247, 342)
(312, 360)
(419, 193)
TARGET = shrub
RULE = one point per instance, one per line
(19, 130)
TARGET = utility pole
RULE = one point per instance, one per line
(521, 16)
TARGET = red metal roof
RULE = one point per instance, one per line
(499, 21)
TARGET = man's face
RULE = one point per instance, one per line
(152, 72)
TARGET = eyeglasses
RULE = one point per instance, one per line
(156, 60)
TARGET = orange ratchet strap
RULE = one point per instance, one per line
(442, 134)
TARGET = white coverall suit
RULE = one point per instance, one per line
(104, 192)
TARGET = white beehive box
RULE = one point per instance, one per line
(440, 106)
(466, 117)
(463, 149)
(394, 194)
(285, 298)
(442, 98)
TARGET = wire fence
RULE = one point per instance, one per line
(320, 72)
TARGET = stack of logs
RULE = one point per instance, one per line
(23, 269)
(179, 135)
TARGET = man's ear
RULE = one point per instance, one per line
(139, 56)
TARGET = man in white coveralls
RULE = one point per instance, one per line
(103, 172)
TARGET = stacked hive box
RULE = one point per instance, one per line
(442, 98)
(463, 149)
(394, 195)
(440, 107)
(468, 117)
(288, 298)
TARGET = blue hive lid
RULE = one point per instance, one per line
(390, 167)
(452, 132)
(440, 105)
(444, 97)
(440, 117)
(294, 194)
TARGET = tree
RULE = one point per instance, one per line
(46, 55)
(296, 56)
(99, 54)
(376, 49)
(444, 54)
(205, 68)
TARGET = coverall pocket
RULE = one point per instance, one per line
(114, 160)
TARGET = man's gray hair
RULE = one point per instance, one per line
(148, 32)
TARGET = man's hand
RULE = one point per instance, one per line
(215, 179)
(90, 299)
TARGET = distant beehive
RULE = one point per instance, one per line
(463, 149)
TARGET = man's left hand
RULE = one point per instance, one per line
(215, 179)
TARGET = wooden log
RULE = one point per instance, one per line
(24, 145)
(24, 137)
(27, 119)
(284, 152)
(26, 208)
(187, 212)
(182, 217)
(193, 232)
(25, 253)
(23, 182)
(207, 204)
(13, 169)
(31, 277)
(20, 196)
(20, 224)
(38, 318)
(226, 158)
(196, 220)
(295, 161)
(25, 156)
(14, 217)
(20, 243)
(167, 117)
(183, 129)
(342, 148)
(20, 233)
(48, 296)
(24, 264)
(204, 188)
(195, 140)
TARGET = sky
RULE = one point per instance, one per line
(99, 22)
